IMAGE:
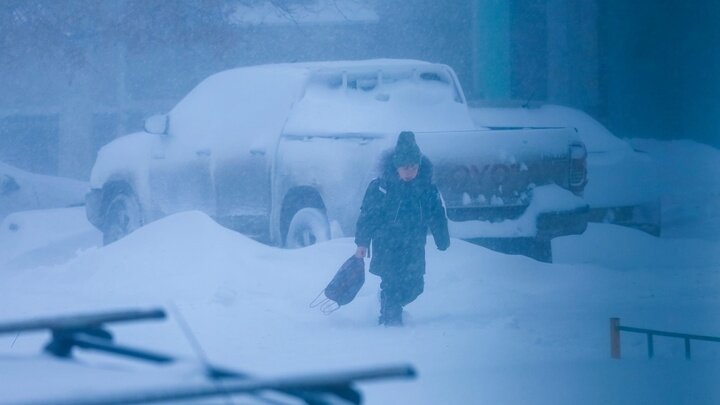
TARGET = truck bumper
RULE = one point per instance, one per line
(645, 217)
(538, 246)
(542, 225)
(553, 212)
(554, 224)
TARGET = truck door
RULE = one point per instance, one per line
(180, 177)
(242, 186)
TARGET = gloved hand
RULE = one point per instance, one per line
(361, 251)
(443, 247)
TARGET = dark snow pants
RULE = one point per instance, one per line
(398, 289)
(400, 263)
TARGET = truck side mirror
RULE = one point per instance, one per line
(157, 124)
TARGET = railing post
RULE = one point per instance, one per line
(687, 348)
(615, 338)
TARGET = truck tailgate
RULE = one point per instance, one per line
(488, 174)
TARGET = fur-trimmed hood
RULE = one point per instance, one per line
(388, 171)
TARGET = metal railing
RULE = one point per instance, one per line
(616, 328)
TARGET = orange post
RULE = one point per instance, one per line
(615, 338)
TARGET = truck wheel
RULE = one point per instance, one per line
(122, 216)
(307, 227)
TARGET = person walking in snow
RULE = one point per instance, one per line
(396, 212)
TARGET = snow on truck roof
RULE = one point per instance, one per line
(365, 64)
(379, 95)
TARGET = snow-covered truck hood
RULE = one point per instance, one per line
(128, 157)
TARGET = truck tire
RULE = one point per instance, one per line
(122, 216)
(307, 227)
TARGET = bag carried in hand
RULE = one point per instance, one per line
(343, 287)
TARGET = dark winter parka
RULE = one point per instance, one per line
(395, 216)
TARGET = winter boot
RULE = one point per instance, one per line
(390, 313)
(394, 317)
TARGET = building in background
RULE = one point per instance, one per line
(76, 74)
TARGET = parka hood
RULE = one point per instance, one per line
(388, 171)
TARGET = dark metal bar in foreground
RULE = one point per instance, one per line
(81, 321)
(302, 383)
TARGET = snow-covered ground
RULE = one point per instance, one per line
(490, 328)
(690, 173)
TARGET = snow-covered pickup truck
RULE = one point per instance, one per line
(283, 153)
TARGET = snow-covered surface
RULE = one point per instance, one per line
(397, 99)
(489, 328)
(129, 156)
(238, 108)
(253, 105)
(29, 238)
(22, 190)
(617, 175)
(595, 136)
(690, 182)
(621, 178)
(86, 379)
